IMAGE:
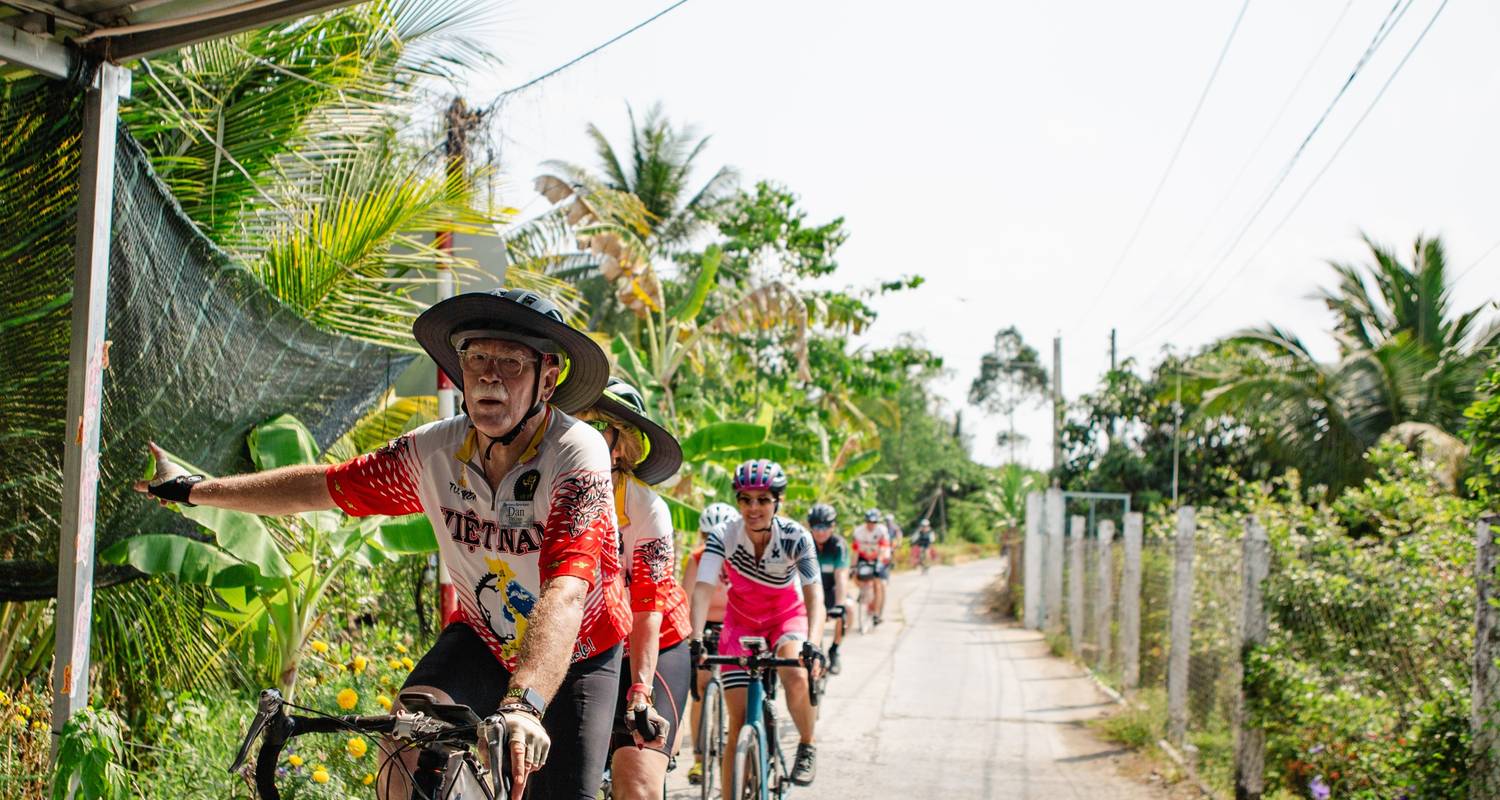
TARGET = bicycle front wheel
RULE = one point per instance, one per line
(711, 729)
(749, 767)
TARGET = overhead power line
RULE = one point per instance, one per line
(1185, 296)
(583, 56)
(1171, 163)
(1318, 176)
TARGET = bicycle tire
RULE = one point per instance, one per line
(749, 765)
(713, 723)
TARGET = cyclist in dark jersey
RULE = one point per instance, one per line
(833, 559)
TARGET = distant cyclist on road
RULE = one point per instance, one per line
(872, 549)
(712, 520)
(643, 453)
(833, 559)
(774, 593)
(921, 544)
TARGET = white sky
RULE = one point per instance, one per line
(1007, 150)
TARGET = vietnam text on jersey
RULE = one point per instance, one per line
(551, 515)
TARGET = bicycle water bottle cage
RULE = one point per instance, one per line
(451, 713)
(755, 644)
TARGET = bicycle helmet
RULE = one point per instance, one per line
(760, 473)
(716, 516)
(821, 515)
(873, 515)
(662, 454)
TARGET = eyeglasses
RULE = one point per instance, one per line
(481, 363)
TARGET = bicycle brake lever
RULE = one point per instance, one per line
(269, 707)
(492, 733)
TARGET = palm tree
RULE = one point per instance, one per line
(1404, 356)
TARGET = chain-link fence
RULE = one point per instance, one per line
(1280, 655)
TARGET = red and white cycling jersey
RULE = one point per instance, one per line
(767, 589)
(872, 543)
(646, 537)
(551, 515)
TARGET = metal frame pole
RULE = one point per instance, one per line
(75, 563)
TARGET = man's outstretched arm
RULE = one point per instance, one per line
(286, 490)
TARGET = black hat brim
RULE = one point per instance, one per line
(666, 454)
(589, 367)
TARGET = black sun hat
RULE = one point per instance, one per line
(663, 453)
(515, 315)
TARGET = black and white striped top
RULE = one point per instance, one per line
(769, 586)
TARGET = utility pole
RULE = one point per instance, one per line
(1176, 433)
(456, 149)
(1113, 365)
(1057, 405)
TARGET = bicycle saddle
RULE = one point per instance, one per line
(451, 713)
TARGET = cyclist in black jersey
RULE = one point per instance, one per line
(833, 559)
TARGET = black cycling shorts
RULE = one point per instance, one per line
(669, 693)
(578, 717)
(869, 570)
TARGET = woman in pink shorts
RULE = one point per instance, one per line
(775, 592)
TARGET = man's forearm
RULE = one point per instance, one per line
(645, 633)
(552, 629)
(840, 586)
(286, 490)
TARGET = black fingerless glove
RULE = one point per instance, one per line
(175, 490)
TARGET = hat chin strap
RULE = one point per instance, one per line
(536, 408)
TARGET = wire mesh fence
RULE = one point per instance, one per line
(1348, 672)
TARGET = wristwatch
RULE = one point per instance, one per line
(526, 696)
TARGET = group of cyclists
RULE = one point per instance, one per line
(570, 619)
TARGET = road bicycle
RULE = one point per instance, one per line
(444, 735)
(866, 573)
(709, 739)
(759, 770)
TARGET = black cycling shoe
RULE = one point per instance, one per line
(876, 620)
(805, 768)
(833, 660)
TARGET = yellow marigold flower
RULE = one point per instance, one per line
(38, 725)
(294, 759)
(4, 699)
(357, 747)
(320, 775)
(341, 667)
(347, 699)
(319, 646)
(368, 779)
(385, 702)
(407, 662)
(400, 648)
(360, 662)
(24, 710)
(393, 664)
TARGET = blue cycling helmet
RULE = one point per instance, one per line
(760, 473)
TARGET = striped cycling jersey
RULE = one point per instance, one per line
(765, 589)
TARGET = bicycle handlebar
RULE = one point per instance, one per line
(759, 662)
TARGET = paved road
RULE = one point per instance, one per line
(941, 701)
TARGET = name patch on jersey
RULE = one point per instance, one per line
(468, 529)
(526, 485)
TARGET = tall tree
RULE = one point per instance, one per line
(1009, 375)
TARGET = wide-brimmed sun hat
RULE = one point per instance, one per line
(515, 315)
(663, 454)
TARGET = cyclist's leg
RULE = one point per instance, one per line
(641, 773)
(458, 669)
(578, 721)
(794, 680)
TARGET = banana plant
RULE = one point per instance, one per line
(270, 575)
